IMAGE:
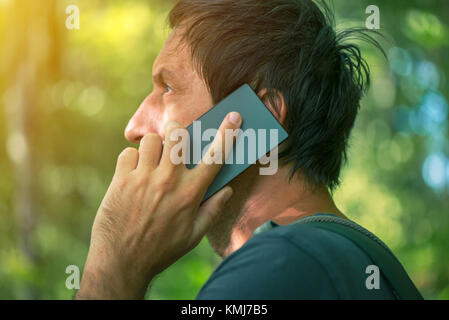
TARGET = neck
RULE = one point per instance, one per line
(274, 198)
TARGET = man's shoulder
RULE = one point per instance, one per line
(304, 246)
(301, 239)
(294, 262)
(300, 236)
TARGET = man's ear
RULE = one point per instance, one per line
(277, 107)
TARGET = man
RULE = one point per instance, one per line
(151, 216)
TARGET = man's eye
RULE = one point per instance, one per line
(167, 88)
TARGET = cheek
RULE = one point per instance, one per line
(189, 108)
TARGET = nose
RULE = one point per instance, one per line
(144, 121)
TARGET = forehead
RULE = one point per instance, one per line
(175, 55)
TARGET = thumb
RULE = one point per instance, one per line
(210, 211)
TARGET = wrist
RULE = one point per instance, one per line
(110, 283)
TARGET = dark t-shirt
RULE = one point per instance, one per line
(296, 261)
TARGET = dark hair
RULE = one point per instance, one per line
(286, 46)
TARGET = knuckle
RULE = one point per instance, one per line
(185, 202)
(124, 186)
(121, 183)
(189, 195)
(140, 183)
(178, 133)
(151, 137)
(171, 126)
(167, 180)
(190, 191)
(128, 152)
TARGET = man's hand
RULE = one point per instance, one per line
(151, 215)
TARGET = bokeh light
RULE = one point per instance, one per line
(400, 61)
(434, 170)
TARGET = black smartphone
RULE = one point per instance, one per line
(260, 133)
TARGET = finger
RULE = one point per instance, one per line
(215, 157)
(175, 144)
(127, 161)
(150, 150)
(210, 211)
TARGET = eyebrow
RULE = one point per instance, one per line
(163, 75)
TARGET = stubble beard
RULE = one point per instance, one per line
(219, 235)
(232, 217)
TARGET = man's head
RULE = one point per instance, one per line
(289, 53)
(287, 47)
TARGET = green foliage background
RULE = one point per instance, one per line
(90, 81)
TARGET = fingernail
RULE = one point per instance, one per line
(228, 195)
(235, 118)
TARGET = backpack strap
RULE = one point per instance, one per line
(382, 257)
